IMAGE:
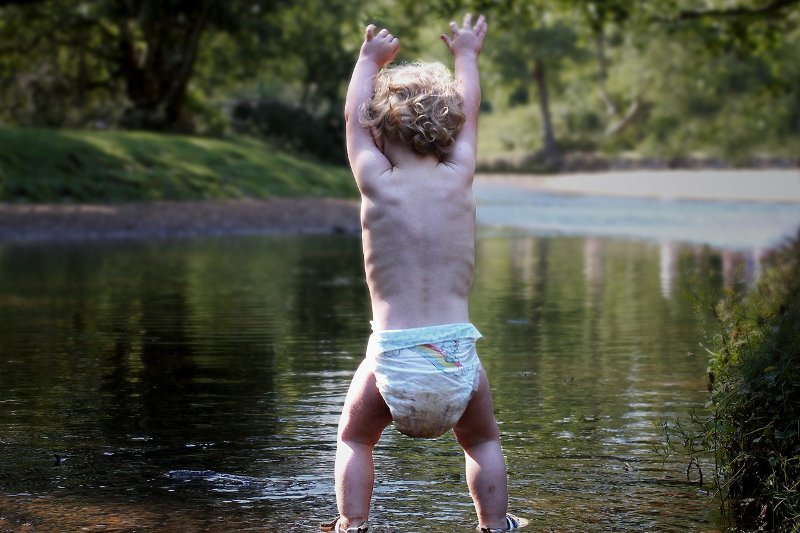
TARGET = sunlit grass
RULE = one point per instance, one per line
(70, 165)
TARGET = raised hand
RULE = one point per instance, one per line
(381, 47)
(468, 38)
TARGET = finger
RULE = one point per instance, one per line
(454, 27)
(481, 24)
(370, 33)
(447, 41)
(389, 37)
(383, 33)
(468, 21)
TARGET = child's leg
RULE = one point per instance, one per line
(364, 416)
(477, 433)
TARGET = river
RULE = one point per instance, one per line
(195, 384)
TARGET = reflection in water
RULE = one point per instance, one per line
(583, 365)
(668, 267)
(593, 261)
(740, 268)
(226, 362)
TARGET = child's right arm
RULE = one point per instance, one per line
(466, 45)
(376, 51)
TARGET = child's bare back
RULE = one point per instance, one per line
(412, 149)
(418, 238)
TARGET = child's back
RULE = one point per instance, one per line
(418, 224)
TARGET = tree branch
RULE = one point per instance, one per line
(18, 2)
(763, 11)
(616, 127)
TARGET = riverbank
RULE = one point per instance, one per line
(767, 185)
(164, 219)
(88, 167)
(749, 426)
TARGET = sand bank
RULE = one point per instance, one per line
(728, 185)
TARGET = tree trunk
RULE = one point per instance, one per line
(616, 127)
(157, 73)
(600, 43)
(550, 151)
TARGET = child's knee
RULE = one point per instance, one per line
(357, 437)
(362, 430)
(472, 440)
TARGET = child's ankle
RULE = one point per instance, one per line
(502, 525)
(351, 527)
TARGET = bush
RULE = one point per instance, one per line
(753, 428)
(756, 373)
(293, 128)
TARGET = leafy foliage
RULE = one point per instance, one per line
(667, 78)
(122, 62)
(293, 128)
(754, 379)
(756, 372)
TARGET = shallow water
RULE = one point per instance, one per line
(134, 360)
(748, 226)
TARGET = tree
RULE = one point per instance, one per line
(142, 53)
(721, 25)
(771, 9)
(17, 2)
(597, 16)
(530, 50)
(730, 83)
(157, 44)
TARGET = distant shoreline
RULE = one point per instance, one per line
(759, 185)
(49, 223)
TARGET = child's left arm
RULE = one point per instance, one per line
(376, 51)
(465, 45)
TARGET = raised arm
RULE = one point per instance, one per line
(365, 157)
(465, 45)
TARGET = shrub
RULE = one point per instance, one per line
(753, 425)
(293, 128)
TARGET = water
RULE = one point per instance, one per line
(195, 385)
(734, 225)
(226, 361)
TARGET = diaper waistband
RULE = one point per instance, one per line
(397, 339)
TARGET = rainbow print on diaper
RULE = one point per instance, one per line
(438, 357)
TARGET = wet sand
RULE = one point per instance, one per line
(728, 185)
(75, 222)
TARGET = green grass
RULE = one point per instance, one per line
(44, 165)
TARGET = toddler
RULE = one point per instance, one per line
(411, 140)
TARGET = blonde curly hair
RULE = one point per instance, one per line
(417, 105)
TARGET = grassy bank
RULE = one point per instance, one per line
(42, 165)
(756, 393)
(753, 424)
